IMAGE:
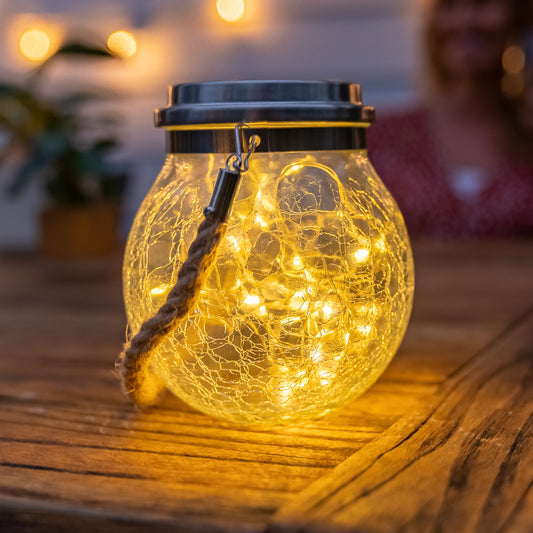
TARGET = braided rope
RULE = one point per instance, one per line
(134, 362)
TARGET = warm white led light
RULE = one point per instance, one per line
(122, 43)
(361, 255)
(34, 44)
(230, 10)
(159, 290)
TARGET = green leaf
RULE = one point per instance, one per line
(10, 94)
(104, 145)
(10, 91)
(33, 165)
(74, 48)
(113, 186)
(43, 154)
(81, 49)
(50, 131)
(76, 98)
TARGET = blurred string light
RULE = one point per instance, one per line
(514, 59)
(122, 43)
(34, 44)
(513, 63)
(230, 10)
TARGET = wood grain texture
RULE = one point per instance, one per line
(76, 457)
(463, 462)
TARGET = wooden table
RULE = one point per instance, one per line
(443, 442)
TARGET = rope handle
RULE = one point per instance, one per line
(133, 364)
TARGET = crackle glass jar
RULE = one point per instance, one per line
(312, 286)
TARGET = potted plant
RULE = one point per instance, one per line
(50, 139)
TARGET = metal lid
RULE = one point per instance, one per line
(220, 102)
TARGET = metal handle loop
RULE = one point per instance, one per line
(235, 161)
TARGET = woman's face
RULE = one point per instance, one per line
(469, 36)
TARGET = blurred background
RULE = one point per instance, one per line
(164, 42)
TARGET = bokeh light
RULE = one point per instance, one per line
(230, 10)
(514, 59)
(513, 86)
(34, 44)
(122, 43)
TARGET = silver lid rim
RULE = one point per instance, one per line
(263, 101)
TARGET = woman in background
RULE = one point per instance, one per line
(462, 164)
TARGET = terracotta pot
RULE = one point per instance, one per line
(80, 232)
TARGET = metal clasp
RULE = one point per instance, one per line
(235, 161)
(229, 177)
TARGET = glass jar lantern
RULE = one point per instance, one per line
(311, 290)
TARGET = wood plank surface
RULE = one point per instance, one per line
(461, 462)
(75, 456)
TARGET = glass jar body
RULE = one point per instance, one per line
(310, 294)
